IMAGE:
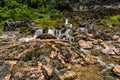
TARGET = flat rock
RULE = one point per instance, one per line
(69, 75)
(85, 44)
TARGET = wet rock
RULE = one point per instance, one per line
(68, 75)
(58, 66)
(116, 70)
(59, 26)
(18, 76)
(66, 55)
(84, 24)
(82, 31)
(85, 44)
(101, 35)
(33, 76)
(46, 36)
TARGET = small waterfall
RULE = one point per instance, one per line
(67, 24)
(59, 34)
(38, 32)
(50, 31)
(67, 32)
(66, 21)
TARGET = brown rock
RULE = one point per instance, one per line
(115, 37)
(46, 36)
(69, 75)
(90, 59)
(118, 40)
(49, 69)
(95, 42)
(110, 50)
(53, 54)
(85, 44)
(116, 70)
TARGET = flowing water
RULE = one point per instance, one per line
(38, 32)
(50, 31)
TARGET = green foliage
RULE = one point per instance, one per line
(48, 22)
(14, 10)
(110, 20)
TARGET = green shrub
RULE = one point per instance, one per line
(110, 20)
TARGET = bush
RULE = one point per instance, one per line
(110, 20)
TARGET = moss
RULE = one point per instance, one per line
(89, 72)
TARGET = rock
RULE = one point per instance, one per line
(46, 36)
(82, 31)
(1, 62)
(11, 26)
(33, 76)
(101, 35)
(4, 69)
(85, 44)
(45, 30)
(49, 69)
(115, 37)
(95, 42)
(53, 54)
(109, 49)
(18, 76)
(90, 59)
(66, 55)
(116, 70)
(69, 75)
